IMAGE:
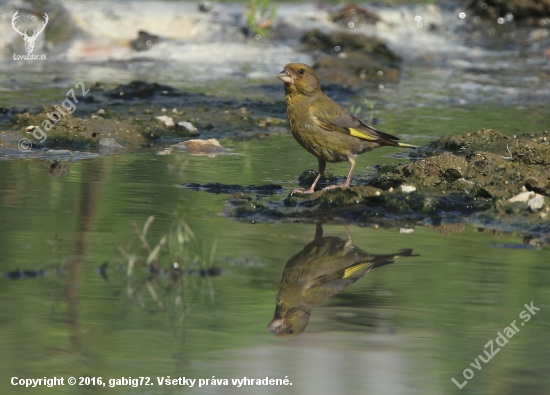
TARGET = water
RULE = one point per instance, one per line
(404, 328)
(74, 307)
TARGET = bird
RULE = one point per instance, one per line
(323, 127)
(323, 268)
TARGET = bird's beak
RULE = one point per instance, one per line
(286, 77)
(276, 323)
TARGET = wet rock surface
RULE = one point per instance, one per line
(521, 10)
(351, 15)
(144, 41)
(352, 59)
(453, 183)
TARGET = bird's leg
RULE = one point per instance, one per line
(348, 179)
(349, 241)
(318, 232)
(322, 166)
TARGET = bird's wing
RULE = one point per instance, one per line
(337, 281)
(332, 117)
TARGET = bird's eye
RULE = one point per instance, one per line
(301, 71)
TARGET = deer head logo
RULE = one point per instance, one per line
(29, 40)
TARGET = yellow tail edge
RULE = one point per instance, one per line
(407, 145)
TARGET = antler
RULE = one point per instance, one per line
(46, 19)
(36, 33)
(16, 28)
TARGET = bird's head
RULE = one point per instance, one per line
(291, 323)
(299, 77)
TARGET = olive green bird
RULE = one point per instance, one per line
(323, 268)
(324, 128)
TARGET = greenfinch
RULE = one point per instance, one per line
(323, 268)
(324, 128)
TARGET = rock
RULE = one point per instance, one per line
(307, 177)
(351, 15)
(354, 69)
(348, 42)
(536, 203)
(189, 127)
(167, 121)
(538, 183)
(205, 6)
(210, 147)
(518, 9)
(522, 197)
(352, 59)
(407, 188)
(144, 41)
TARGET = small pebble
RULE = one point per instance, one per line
(536, 203)
(407, 188)
(166, 120)
(189, 126)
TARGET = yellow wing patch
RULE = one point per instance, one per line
(362, 135)
(350, 271)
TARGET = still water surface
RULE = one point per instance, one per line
(404, 328)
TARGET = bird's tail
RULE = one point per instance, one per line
(406, 145)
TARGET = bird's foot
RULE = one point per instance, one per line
(343, 186)
(310, 190)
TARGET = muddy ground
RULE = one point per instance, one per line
(136, 116)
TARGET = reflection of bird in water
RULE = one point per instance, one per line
(323, 268)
